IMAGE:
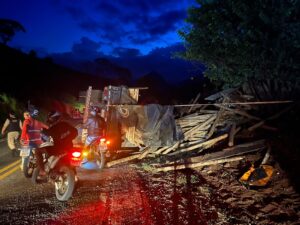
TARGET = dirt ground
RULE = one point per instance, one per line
(134, 194)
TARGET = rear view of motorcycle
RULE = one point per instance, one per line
(28, 160)
(61, 170)
(97, 152)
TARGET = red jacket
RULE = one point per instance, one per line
(31, 131)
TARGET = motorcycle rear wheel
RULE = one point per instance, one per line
(65, 183)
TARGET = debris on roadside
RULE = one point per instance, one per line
(219, 131)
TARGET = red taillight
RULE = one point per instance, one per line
(75, 158)
(76, 154)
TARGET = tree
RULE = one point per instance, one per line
(8, 29)
(245, 41)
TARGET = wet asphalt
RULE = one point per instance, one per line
(22, 202)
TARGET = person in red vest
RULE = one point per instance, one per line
(31, 131)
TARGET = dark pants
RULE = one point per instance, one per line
(51, 150)
(39, 156)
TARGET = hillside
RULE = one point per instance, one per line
(25, 76)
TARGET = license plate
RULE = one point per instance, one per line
(25, 152)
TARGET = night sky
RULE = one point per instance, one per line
(137, 34)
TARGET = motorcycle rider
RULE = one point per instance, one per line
(62, 134)
(95, 125)
(31, 132)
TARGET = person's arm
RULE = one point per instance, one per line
(20, 124)
(44, 126)
(5, 125)
(24, 134)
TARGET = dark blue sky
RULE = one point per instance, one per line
(87, 29)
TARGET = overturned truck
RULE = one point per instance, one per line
(130, 125)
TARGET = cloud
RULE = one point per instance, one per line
(82, 51)
(90, 25)
(75, 12)
(86, 46)
(162, 61)
(86, 56)
(164, 23)
(129, 22)
(126, 52)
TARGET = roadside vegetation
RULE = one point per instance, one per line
(254, 42)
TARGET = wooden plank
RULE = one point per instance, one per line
(196, 165)
(147, 151)
(194, 102)
(220, 94)
(213, 127)
(203, 145)
(242, 113)
(232, 134)
(189, 133)
(230, 152)
(171, 148)
(126, 159)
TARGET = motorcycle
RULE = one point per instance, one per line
(97, 150)
(28, 160)
(28, 156)
(61, 170)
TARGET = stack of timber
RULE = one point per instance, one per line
(227, 117)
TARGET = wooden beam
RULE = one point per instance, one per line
(232, 134)
(203, 145)
(126, 159)
(195, 165)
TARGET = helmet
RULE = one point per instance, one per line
(34, 113)
(94, 110)
(53, 117)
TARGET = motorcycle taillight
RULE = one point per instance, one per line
(76, 154)
(75, 158)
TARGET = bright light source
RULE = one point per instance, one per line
(76, 154)
(108, 142)
(102, 139)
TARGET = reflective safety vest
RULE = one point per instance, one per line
(31, 131)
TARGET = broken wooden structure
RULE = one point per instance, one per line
(228, 120)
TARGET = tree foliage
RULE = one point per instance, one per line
(8, 29)
(7, 104)
(240, 40)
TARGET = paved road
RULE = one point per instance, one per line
(111, 196)
(8, 164)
